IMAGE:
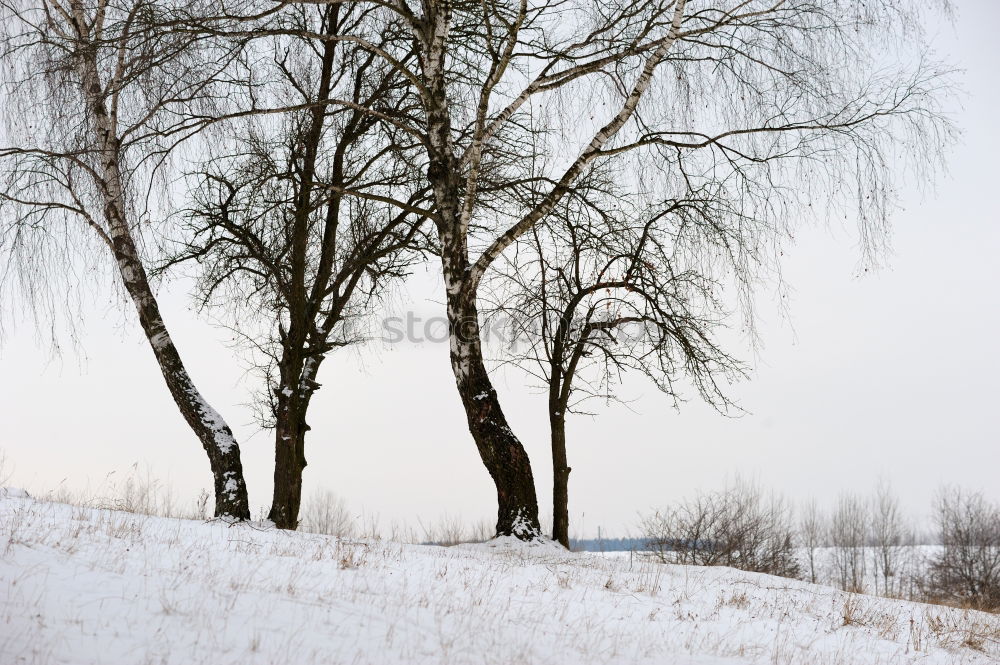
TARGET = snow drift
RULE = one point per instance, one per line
(81, 585)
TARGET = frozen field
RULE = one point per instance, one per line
(79, 585)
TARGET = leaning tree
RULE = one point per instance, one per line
(97, 93)
(782, 106)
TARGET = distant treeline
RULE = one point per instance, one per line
(609, 544)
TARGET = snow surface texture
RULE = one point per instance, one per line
(95, 586)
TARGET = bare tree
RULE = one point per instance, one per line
(849, 534)
(967, 569)
(96, 92)
(890, 540)
(737, 527)
(598, 291)
(778, 107)
(288, 227)
(812, 534)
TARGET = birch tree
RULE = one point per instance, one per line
(96, 93)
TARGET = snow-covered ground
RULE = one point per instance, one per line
(80, 585)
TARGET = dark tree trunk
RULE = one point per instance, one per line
(560, 477)
(298, 384)
(560, 384)
(501, 451)
(289, 463)
(298, 369)
(502, 454)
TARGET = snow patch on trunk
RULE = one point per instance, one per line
(221, 434)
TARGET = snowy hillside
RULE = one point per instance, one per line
(90, 586)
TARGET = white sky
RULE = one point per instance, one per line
(895, 375)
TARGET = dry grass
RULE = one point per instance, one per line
(255, 595)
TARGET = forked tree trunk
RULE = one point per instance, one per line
(501, 451)
(298, 371)
(297, 387)
(215, 435)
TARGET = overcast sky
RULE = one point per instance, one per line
(893, 375)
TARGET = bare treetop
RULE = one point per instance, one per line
(773, 108)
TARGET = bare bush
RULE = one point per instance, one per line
(6, 469)
(141, 494)
(455, 530)
(966, 571)
(199, 510)
(737, 527)
(326, 512)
